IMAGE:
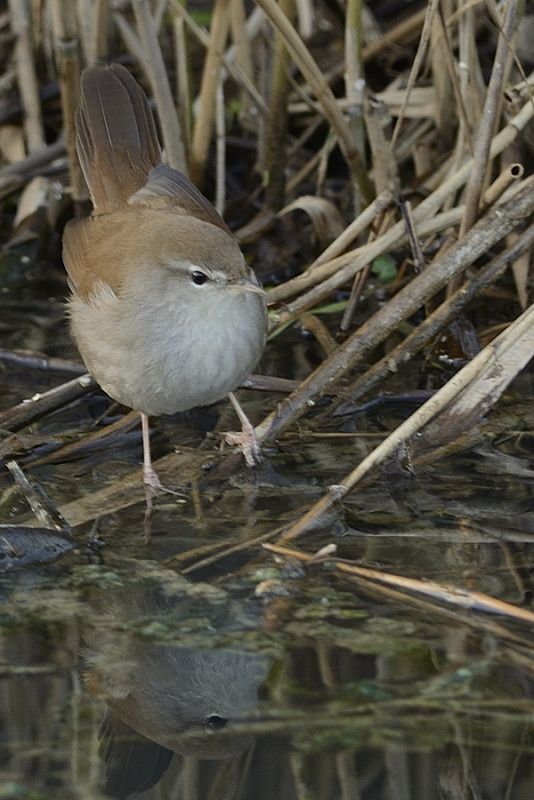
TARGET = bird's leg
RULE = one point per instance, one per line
(150, 476)
(247, 439)
(153, 485)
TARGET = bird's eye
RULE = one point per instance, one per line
(215, 723)
(199, 277)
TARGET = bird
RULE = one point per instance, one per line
(165, 312)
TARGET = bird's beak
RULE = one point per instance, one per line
(245, 285)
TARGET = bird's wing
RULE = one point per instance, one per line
(168, 188)
(93, 253)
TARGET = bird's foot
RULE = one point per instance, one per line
(151, 480)
(246, 440)
(153, 485)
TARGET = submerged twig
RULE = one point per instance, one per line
(462, 598)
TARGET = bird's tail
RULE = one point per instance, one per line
(115, 136)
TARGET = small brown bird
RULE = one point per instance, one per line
(166, 314)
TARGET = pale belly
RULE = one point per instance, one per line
(164, 360)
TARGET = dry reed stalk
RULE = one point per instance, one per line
(16, 417)
(485, 234)
(204, 121)
(220, 150)
(157, 75)
(482, 152)
(521, 273)
(331, 275)
(253, 26)
(446, 82)
(124, 423)
(276, 153)
(471, 82)
(65, 29)
(240, 77)
(360, 279)
(404, 31)
(99, 44)
(352, 231)
(437, 320)
(306, 17)
(306, 64)
(510, 352)
(183, 84)
(320, 332)
(15, 175)
(512, 173)
(385, 169)
(301, 175)
(355, 78)
(386, 180)
(129, 37)
(418, 133)
(431, 11)
(421, 103)
(338, 272)
(241, 55)
(26, 77)
(84, 13)
(439, 54)
(159, 8)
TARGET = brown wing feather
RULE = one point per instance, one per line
(94, 250)
(116, 136)
(166, 187)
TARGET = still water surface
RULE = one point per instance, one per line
(258, 678)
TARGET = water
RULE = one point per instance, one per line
(117, 673)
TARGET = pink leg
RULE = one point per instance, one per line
(150, 476)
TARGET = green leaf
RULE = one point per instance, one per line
(385, 268)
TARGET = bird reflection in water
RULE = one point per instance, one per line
(164, 698)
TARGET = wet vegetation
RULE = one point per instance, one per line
(351, 618)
